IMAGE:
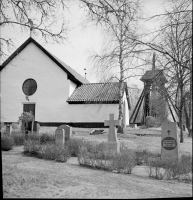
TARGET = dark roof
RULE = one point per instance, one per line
(152, 74)
(97, 93)
(72, 74)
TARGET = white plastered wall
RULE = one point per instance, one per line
(53, 90)
(52, 86)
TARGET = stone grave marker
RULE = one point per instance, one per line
(112, 143)
(68, 131)
(60, 137)
(169, 140)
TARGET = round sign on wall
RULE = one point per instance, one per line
(169, 143)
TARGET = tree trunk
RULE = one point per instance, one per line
(180, 114)
(120, 128)
(190, 104)
(187, 121)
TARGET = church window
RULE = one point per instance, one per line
(29, 87)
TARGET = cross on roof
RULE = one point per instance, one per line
(112, 123)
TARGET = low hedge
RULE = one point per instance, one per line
(7, 143)
(48, 151)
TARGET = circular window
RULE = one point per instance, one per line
(29, 87)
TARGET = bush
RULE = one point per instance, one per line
(97, 156)
(155, 168)
(18, 138)
(32, 148)
(152, 122)
(89, 159)
(48, 151)
(143, 155)
(47, 138)
(74, 146)
(125, 161)
(7, 143)
(179, 169)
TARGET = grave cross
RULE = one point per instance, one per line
(168, 132)
(112, 123)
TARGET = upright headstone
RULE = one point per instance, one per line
(169, 140)
(112, 143)
(60, 137)
(38, 128)
(68, 131)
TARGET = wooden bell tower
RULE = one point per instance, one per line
(154, 82)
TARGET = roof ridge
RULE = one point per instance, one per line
(102, 83)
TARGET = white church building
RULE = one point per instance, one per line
(32, 79)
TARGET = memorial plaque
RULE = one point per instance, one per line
(169, 143)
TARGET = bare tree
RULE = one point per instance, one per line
(118, 18)
(173, 44)
(37, 16)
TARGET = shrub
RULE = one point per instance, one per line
(7, 143)
(151, 122)
(143, 155)
(170, 168)
(48, 151)
(74, 146)
(47, 138)
(155, 168)
(178, 169)
(89, 159)
(18, 138)
(62, 154)
(32, 137)
(97, 156)
(31, 147)
(124, 162)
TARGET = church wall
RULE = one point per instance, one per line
(53, 90)
(91, 112)
(52, 86)
(72, 88)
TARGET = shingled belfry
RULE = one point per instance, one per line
(154, 82)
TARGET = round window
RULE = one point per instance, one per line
(29, 87)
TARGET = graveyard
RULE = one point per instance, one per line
(30, 177)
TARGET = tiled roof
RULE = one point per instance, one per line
(97, 93)
(150, 74)
(72, 74)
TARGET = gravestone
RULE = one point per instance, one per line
(68, 131)
(112, 143)
(169, 140)
(60, 137)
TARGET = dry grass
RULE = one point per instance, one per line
(28, 177)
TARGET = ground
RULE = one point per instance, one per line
(28, 177)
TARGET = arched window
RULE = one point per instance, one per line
(29, 87)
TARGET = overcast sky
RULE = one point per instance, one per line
(82, 40)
